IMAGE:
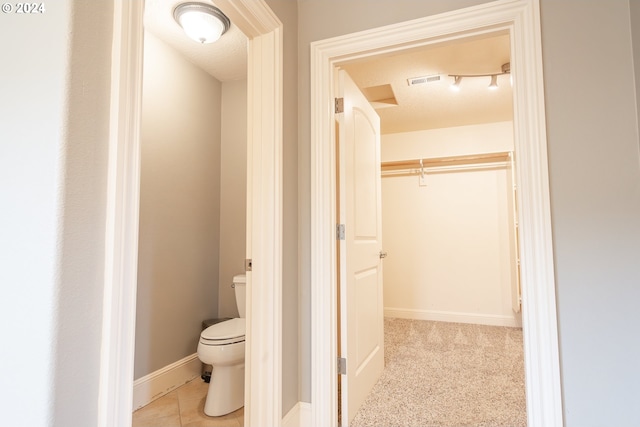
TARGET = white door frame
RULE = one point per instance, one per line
(522, 19)
(264, 213)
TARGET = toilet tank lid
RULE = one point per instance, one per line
(232, 328)
(240, 278)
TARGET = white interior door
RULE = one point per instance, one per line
(360, 272)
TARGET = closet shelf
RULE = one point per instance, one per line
(474, 159)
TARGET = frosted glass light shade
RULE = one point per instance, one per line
(201, 22)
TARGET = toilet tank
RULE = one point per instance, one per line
(240, 286)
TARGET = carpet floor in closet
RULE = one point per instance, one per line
(440, 374)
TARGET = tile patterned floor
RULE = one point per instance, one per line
(184, 407)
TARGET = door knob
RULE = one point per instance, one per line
(383, 254)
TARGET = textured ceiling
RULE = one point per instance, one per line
(225, 59)
(403, 108)
(435, 105)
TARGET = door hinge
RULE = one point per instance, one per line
(340, 232)
(342, 366)
(339, 105)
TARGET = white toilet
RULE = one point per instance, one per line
(222, 346)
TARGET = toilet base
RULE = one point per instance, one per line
(226, 390)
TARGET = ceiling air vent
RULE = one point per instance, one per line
(424, 79)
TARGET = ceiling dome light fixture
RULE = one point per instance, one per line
(506, 69)
(201, 22)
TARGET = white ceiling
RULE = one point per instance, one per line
(427, 106)
(435, 105)
(225, 59)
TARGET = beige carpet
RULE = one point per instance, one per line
(441, 374)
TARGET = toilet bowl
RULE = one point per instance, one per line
(222, 346)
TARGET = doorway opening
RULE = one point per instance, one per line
(449, 230)
(521, 20)
(263, 369)
(193, 192)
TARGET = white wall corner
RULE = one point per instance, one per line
(164, 380)
(298, 416)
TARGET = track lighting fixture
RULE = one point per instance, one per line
(506, 69)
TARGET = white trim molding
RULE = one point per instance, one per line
(521, 18)
(263, 360)
(453, 317)
(264, 219)
(165, 380)
(121, 237)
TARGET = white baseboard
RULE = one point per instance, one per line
(298, 416)
(451, 316)
(158, 383)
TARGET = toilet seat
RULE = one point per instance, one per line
(231, 331)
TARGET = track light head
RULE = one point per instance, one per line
(494, 82)
(456, 84)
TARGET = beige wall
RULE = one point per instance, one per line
(449, 241)
(179, 207)
(54, 130)
(594, 178)
(233, 193)
(595, 205)
(448, 246)
(81, 215)
(462, 140)
(634, 7)
(287, 12)
(57, 133)
(345, 18)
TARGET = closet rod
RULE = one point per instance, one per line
(445, 161)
